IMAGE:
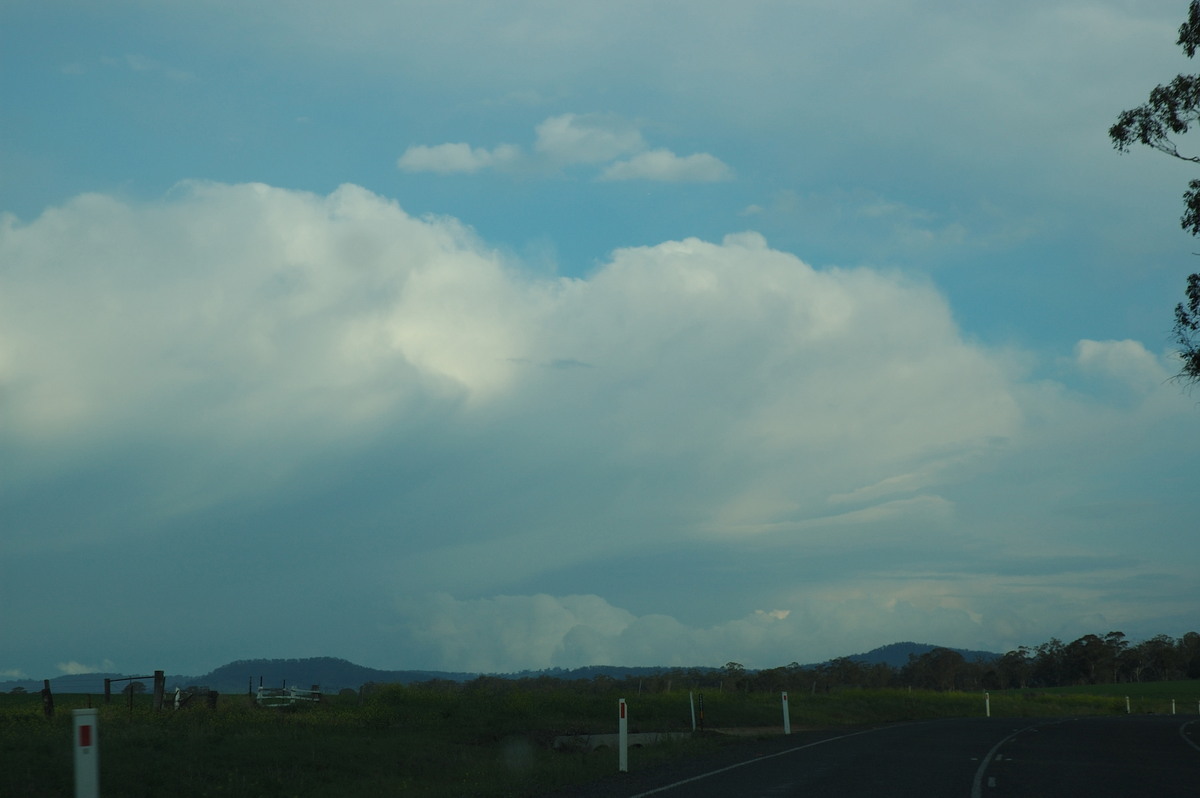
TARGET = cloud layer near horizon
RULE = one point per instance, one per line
(485, 468)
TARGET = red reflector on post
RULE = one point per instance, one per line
(87, 752)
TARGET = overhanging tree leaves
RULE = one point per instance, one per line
(1171, 112)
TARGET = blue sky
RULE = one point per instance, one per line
(482, 336)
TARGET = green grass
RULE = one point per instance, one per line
(1144, 697)
(418, 745)
(484, 740)
(862, 707)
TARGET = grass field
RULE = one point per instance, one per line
(1144, 697)
(435, 741)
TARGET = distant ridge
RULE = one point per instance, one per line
(331, 673)
(334, 674)
(896, 654)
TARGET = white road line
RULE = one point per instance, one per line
(977, 784)
(752, 761)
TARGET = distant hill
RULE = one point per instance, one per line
(896, 654)
(334, 674)
(330, 673)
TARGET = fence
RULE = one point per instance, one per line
(160, 684)
(286, 696)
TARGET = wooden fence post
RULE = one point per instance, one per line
(47, 699)
(160, 686)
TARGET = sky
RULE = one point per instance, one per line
(487, 337)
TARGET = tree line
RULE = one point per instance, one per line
(1092, 659)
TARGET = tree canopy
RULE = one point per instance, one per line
(1170, 112)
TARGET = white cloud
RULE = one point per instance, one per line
(140, 63)
(573, 140)
(473, 429)
(280, 317)
(74, 668)
(508, 633)
(13, 673)
(289, 322)
(666, 166)
(456, 158)
(593, 138)
(1126, 361)
(512, 633)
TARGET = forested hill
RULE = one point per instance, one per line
(896, 655)
(331, 673)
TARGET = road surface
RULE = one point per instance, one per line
(1109, 757)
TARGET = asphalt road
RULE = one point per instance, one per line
(1111, 757)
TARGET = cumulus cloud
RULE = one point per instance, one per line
(349, 293)
(469, 430)
(1126, 361)
(668, 167)
(512, 633)
(74, 668)
(509, 633)
(243, 316)
(258, 327)
(573, 140)
(456, 158)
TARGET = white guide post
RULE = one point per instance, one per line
(1126, 705)
(787, 716)
(623, 737)
(1172, 706)
(987, 704)
(692, 704)
(87, 753)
